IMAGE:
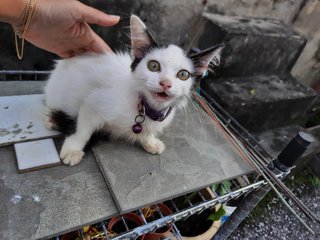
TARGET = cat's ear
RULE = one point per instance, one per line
(141, 40)
(201, 60)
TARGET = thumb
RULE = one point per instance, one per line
(94, 16)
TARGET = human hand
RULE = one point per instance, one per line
(61, 27)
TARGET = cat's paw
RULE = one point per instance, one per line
(70, 155)
(155, 146)
(71, 158)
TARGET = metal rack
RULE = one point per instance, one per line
(23, 75)
(241, 185)
(179, 214)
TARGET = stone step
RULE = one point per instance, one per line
(253, 46)
(261, 102)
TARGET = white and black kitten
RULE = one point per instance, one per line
(130, 96)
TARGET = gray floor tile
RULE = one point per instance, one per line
(51, 201)
(22, 119)
(196, 156)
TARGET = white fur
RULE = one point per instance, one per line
(101, 91)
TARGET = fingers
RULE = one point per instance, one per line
(98, 45)
(95, 16)
(65, 54)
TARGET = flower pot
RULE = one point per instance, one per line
(165, 210)
(133, 220)
(155, 236)
(209, 228)
(69, 236)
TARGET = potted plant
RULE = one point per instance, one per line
(198, 226)
(132, 220)
(151, 214)
(228, 208)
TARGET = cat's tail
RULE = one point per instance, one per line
(62, 122)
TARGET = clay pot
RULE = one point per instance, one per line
(209, 233)
(155, 236)
(69, 236)
(165, 212)
(133, 220)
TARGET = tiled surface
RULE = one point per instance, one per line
(197, 155)
(48, 202)
(22, 119)
(36, 154)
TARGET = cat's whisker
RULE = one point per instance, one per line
(190, 113)
(198, 114)
(201, 121)
(214, 124)
(195, 99)
(186, 117)
(194, 38)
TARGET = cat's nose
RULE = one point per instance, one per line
(165, 84)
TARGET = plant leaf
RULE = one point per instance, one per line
(215, 216)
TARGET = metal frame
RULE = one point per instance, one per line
(23, 75)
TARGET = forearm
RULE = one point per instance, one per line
(11, 11)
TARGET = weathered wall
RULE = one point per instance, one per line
(307, 68)
(303, 15)
(173, 21)
(283, 10)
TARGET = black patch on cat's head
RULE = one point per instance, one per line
(142, 41)
(202, 59)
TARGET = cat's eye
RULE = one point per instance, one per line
(154, 66)
(183, 75)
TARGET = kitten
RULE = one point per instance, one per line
(132, 97)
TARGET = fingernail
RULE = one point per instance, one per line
(115, 18)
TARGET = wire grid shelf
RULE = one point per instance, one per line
(23, 75)
(240, 186)
(178, 214)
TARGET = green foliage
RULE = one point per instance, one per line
(215, 216)
(304, 177)
(222, 188)
(315, 181)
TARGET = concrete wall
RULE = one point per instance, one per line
(173, 21)
(307, 68)
(303, 15)
(284, 10)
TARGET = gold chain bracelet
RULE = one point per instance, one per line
(20, 33)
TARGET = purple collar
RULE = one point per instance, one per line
(153, 114)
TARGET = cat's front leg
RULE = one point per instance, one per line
(152, 144)
(72, 148)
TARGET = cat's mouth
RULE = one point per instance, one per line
(161, 96)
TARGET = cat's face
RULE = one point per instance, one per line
(165, 74)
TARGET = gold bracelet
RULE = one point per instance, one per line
(20, 33)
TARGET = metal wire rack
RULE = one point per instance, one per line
(23, 75)
(178, 214)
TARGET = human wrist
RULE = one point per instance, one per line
(11, 11)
